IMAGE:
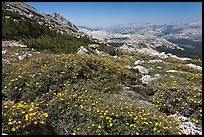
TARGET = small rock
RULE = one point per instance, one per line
(175, 71)
(172, 71)
(139, 62)
(157, 76)
(29, 54)
(138, 87)
(127, 88)
(22, 57)
(93, 46)
(83, 50)
(146, 79)
(194, 66)
(12, 44)
(4, 51)
(141, 69)
(163, 55)
(115, 56)
(101, 53)
(128, 67)
(155, 61)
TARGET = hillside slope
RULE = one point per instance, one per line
(71, 84)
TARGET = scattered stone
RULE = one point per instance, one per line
(115, 56)
(141, 69)
(159, 67)
(101, 53)
(83, 50)
(172, 71)
(4, 51)
(93, 46)
(128, 67)
(137, 87)
(169, 54)
(29, 54)
(13, 44)
(139, 62)
(7, 17)
(187, 126)
(174, 56)
(22, 57)
(146, 79)
(127, 88)
(152, 52)
(155, 61)
(194, 66)
(163, 55)
(157, 76)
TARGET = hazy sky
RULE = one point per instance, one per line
(105, 14)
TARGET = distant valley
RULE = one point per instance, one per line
(186, 36)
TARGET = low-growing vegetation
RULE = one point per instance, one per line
(179, 93)
(75, 94)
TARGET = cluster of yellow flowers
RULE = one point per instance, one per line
(22, 114)
(84, 94)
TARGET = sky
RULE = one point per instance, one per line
(106, 14)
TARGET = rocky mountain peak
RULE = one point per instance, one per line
(63, 20)
(55, 21)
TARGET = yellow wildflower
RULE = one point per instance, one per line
(10, 123)
(13, 129)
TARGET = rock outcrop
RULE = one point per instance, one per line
(137, 62)
(187, 126)
(83, 50)
(141, 69)
(12, 44)
(194, 66)
(93, 46)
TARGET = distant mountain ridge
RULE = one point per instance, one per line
(136, 40)
(90, 28)
(175, 30)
